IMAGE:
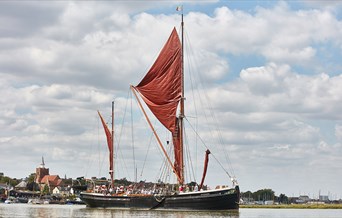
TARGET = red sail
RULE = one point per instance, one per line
(109, 142)
(161, 90)
(161, 86)
(207, 152)
(177, 151)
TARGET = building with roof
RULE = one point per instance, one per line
(61, 191)
(43, 178)
(41, 171)
(52, 181)
(21, 186)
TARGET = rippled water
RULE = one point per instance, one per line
(43, 211)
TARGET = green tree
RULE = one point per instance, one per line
(283, 199)
(32, 186)
(122, 181)
(31, 177)
(8, 180)
(247, 194)
(46, 190)
(263, 195)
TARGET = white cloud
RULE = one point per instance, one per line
(338, 132)
(265, 80)
(279, 34)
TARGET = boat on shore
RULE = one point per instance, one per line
(38, 201)
(162, 90)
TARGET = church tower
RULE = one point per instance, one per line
(41, 171)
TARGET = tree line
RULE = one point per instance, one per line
(264, 195)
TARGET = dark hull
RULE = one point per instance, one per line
(223, 199)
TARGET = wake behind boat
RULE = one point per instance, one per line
(162, 90)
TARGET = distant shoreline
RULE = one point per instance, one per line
(296, 206)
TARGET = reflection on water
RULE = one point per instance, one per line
(89, 212)
(43, 211)
(290, 213)
(51, 211)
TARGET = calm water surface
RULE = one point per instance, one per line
(43, 211)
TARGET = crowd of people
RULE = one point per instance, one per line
(155, 190)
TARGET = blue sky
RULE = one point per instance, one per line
(271, 69)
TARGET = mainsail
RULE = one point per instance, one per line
(161, 90)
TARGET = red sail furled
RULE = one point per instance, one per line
(178, 153)
(207, 152)
(161, 86)
(161, 90)
(109, 142)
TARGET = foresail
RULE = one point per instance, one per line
(161, 86)
(109, 142)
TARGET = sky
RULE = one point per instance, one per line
(271, 71)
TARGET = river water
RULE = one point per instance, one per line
(51, 211)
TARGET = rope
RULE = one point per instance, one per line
(118, 150)
(134, 164)
(148, 149)
(189, 159)
(208, 148)
(200, 81)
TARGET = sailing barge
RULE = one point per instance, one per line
(162, 89)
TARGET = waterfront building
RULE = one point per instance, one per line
(61, 191)
(43, 178)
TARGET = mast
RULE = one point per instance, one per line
(110, 143)
(181, 116)
(111, 172)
